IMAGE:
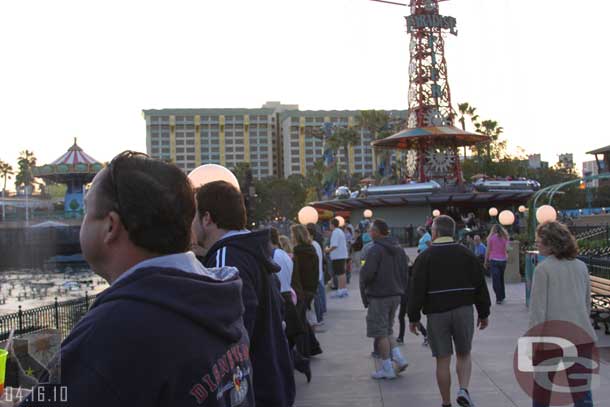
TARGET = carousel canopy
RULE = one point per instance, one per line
(75, 163)
(410, 139)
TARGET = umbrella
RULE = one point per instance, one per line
(411, 139)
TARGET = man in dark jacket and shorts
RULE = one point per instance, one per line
(382, 283)
(447, 281)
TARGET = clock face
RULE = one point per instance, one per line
(439, 161)
(434, 118)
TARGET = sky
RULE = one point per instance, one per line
(87, 69)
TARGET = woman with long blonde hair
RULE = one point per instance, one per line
(496, 258)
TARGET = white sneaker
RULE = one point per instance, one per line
(386, 371)
(401, 363)
(463, 398)
(399, 359)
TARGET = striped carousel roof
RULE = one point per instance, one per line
(75, 155)
(74, 164)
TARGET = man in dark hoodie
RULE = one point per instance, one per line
(220, 228)
(383, 281)
(168, 331)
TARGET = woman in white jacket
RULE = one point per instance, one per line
(561, 291)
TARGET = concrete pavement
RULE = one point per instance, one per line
(341, 375)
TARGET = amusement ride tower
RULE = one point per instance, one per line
(430, 131)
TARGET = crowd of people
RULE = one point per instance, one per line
(202, 311)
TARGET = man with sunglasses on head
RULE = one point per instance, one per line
(168, 331)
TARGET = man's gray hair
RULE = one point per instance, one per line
(444, 226)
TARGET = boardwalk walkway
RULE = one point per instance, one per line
(341, 375)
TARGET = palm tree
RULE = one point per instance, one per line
(344, 137)
(491, 129)
(466, 110)
(26, 162)
(376, 123)
(6, 170)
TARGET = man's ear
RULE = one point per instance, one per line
(113, 227)
(206, 219)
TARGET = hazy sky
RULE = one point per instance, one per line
(86, 69)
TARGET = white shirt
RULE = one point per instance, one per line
(337, 239)
(316, 246)
(285, 275)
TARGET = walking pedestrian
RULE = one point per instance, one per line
(447, 280)
(305, 283)
(495, 259)
(382, 283)
(320, 298)
(294, 324)
(157, 335)
(220, 227)
(561, 291)
(337, 251)
(425, 239)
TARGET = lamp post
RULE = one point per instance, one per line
(493, 212)
(546, 213)
(307, 214)
(341, 220)
(210, 173)
(506, 218)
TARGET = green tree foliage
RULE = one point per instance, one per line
(344, 138)
(6, 171)
(280, 197)
(26, 162)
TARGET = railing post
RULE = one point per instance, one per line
(86, 302)
(56, 314)
(20, 314)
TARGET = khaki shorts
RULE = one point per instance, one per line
(381, 315)
(448, 328)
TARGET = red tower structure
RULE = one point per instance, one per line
(430, 128)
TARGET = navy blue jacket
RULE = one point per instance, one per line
(273, 370)
(159, 337)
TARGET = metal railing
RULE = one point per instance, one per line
(597, 267)
(58, 315)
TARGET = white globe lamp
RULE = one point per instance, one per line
(493, 212)
(506, 218)
(436, 213)
(207, 173)
(368, 213)
(522, 209)
(341, 220)
(308, 214)
(546, 213)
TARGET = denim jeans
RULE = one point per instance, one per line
(320, 302)
(496, 268)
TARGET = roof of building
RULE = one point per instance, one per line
(75, 163)
(75, 155)
(474, 199)
(600, 150)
